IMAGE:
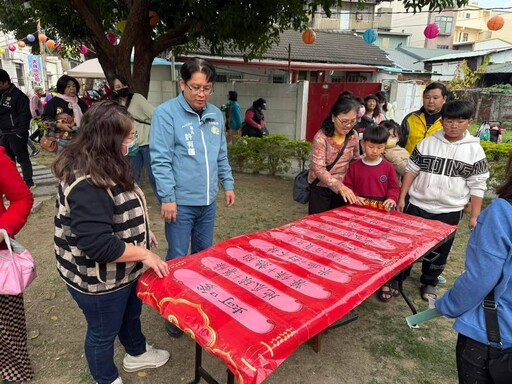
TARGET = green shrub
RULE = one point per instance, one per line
(301, 150)
(272, 154)
(276, 151)
(497, 155)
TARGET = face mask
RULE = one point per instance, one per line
(361, 111)
(391, 142)
(130, 145)
(123, 92)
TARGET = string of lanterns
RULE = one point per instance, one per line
(153, 17)
(431, 31)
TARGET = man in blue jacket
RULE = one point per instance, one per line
(14, 125)
(188, 158)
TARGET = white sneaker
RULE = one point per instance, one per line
(117, 381)
(152, 358)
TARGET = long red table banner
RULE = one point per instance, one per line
(253, 299)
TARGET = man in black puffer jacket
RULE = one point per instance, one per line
(14, 125)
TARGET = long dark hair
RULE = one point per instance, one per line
(114, 96)
(381, 95)
(505, 191)
(342, 105)
(97, 149)
(377, 111)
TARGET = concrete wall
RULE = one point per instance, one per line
(406, 97)
(286, 103)
(491, 106)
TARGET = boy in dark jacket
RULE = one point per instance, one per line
(14, 125)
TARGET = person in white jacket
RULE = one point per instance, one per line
(444, 171)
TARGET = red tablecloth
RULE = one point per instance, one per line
(252, 300)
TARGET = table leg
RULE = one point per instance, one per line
(201, 373)
(401, 279)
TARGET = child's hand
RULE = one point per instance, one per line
(360, 201)
(472, 222)
(389, 204)
(401, 205)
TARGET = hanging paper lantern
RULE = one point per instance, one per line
(84, 49)
(50, 44)
(2, 51)
(431, 31)
(370, 35)
(308, 36)
(21, 44)
(59, 47)
(121, 26)
(11, 47)
(42, 37)
(495, 23)
(31, 38)
(154, 19)
(111, 37)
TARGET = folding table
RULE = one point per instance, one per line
(253, 299)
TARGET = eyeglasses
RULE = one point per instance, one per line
(346, 123)
(195, 90)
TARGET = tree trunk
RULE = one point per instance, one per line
(115, 59)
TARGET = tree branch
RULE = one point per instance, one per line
(92, 22)
(172, 38)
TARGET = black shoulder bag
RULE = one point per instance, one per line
(301, 187)
(500, 360)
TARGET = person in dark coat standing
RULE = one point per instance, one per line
(255, 125)
(14, 125)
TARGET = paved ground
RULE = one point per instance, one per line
(46, 184)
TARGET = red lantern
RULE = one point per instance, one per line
(11, 47)
(42, 37)
(431, 31)
(83, 49)
(495, 23)
(50, 44)
(308, 36)
(154, 19)
(111, 37)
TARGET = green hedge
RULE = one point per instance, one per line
(271, 154)
(497, 156)
(274, 154)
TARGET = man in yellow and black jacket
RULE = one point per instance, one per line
(423, 123)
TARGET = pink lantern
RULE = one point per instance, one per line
(431, 31)
(11, 47)
(84, 49)
(111, 37)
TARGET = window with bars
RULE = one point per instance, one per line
(278, 79)
(445, 24)
(20, 75)
(227, 77)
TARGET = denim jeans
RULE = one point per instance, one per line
(193, 226)
(110, 315)
(140, 159)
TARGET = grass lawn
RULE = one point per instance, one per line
(378, 348)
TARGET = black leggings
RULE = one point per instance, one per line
(323, 199)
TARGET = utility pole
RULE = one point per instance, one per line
(42, 52)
